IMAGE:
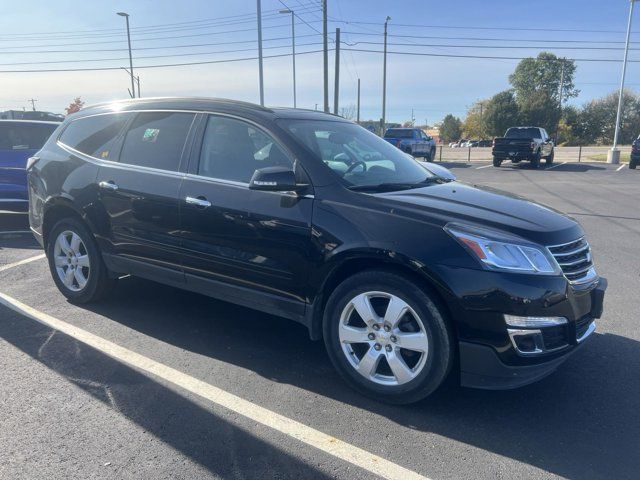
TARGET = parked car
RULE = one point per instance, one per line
(523, 143)
(19, 139)
(635, 154)
(412, 141)
(485, 143)
(406, 277)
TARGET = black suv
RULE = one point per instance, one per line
(311, 217)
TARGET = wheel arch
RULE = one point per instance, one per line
(352, 266)
(57, 209)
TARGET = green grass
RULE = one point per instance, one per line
(602, 157)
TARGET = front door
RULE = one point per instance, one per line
(251, 247)
(139, 195)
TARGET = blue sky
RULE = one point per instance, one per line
(88, 34)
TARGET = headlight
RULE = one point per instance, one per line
(502, 251)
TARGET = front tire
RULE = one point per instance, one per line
(549, 160)
(75, 262)
(387, 338)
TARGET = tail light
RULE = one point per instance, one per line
(493, 142)
(634, 147)
(398, 143)
(533, 144)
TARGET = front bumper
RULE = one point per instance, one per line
(481, 366)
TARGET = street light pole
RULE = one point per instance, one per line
(260, 73)
(613, 156)
(384, 77)
(293, 49)
(133, 87)
(325, 56)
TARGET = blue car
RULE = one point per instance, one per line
(19, 140)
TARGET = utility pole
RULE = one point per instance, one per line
(613, 156)
(133, 87)
(560, 93)
(384, 77)
(260, 72)
(325, 53)
(413, 119)
(33, 103)
(358, 109)
(336, 87)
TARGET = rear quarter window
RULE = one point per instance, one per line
(156, 140)
(95, 136)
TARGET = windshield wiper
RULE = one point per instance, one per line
(390, 186)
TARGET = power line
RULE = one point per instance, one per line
(97, 69)
(247, 18)
(486, 57)
(469, 27)
(488, 46)
(192, 45)
(49, 62)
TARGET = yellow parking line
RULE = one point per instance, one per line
(292, 428)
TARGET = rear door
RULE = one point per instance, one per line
(138, 195)
(247, 246)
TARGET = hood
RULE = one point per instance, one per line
(462, 203)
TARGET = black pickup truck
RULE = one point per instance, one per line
(523, 143)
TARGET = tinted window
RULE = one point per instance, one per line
(398, 133)
(95, 135)
(156, 139)
(234, 150)
(523, 133)
(24, 136)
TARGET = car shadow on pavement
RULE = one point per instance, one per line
(581, 422)
(23, 241)
(222, 447)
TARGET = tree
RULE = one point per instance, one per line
(598, 119)
(473, 126)
(450, 129)
(543, 74)
(349, 112)
(540, 110)
(500, 113)
(75, 106)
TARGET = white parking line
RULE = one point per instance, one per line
(328, 444)
(21, 262)
(621, 167)
(484, 166)
(556, 165)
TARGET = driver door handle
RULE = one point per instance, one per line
(198, 201)
(108, 185)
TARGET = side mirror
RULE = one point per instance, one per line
(274, 179)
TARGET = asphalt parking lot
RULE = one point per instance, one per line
(69, 410)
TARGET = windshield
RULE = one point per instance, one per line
(398, 133)
(356, 155)
(523, 133)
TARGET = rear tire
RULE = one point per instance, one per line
(497, 162)
(369, 354)
(75, 262)
(431, 156)
(633, 164)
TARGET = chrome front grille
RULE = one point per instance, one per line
(574, 259)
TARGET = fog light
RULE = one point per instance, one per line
(534, 322)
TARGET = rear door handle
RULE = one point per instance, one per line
(198, 201)
(108, 185)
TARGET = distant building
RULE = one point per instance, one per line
(31, 115)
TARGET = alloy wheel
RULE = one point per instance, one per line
(71, 260)
(383, 338)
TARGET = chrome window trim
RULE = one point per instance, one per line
(193, 176)
(4, 200)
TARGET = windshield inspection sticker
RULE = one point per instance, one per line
(150, 135)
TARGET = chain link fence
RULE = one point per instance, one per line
(445, 153)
